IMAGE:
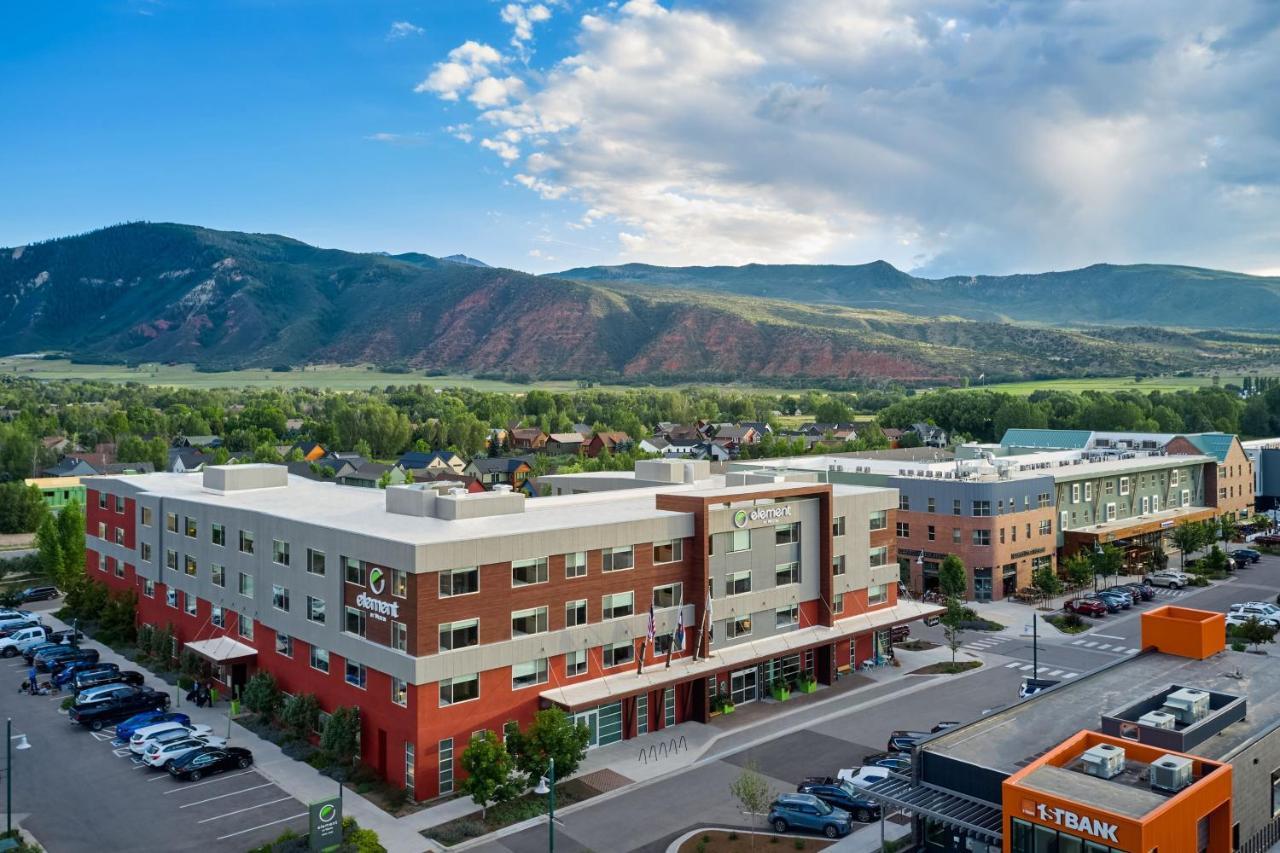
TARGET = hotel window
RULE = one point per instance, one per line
(1173, 477)
(1155, 503)
(879, 520)
(189, 565)
(190, 604)
(617, 605)
(575, 613)
(352, 570)
(617, 559)
(319, 659)
(1088, 491)
(1042, 500)
(356, 674)
(904, 502)
(315, 562)
(460, 688)
(739, 540)
(217, 618)
(399, 636)
(982, 508)
(837, 526)
(931, 505)
(315, 609)
(246, 585)
(246, 541)
(575, 663)
(144, 549)
(1075, 493)
(145, 513)
(119, 569)
(1111, 512)
(671, 551)
(280, 597)
(459, 582)
(526, 572)
(284, 645)
(837, 565)
(119, 534)
(191, 529)
(786, 534)
(955, 536)
(1046, 527)
(616, 654)
(955, 506)
(931, 534)
(102, 530)
(529, 674)
(530, 621)
(739, 626)
(171, 597)
(244, 625)
(1186, 497)
(171, 522)
(1015, 529)
(737, 583)
(786, 573)
(280, 552)
(399, 583)
(171, 559)
(668, 595)
(1145, 505)
(575, 564)
(218, 534)
(1001, 535)
(400, 696)
(1275, 794)
(119, 504)
(904, 529)
(878, 556)
(1109, 487)
(102, 500)
(878, 594)
(219, 575)
(837, 603)
(148, 588)
(102, 562)
(981, 537)
(786, 617)
(446, 764)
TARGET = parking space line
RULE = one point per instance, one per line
(232, 794)
(261, 826)
(208, 782)
(245, 809)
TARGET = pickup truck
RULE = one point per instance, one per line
(11, 645)
(97, 716)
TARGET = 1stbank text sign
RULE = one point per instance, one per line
(1073, 822)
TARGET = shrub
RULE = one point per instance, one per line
(262, 694)
(1198, 580)
(799, 843)
(341, 735)
(706, 839)
(396, 797)
(1237, 646)
(301, 714)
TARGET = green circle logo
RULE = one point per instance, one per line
(327, 812)
(377, 580)
(740, 518)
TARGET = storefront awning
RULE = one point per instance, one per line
(979, 819)
(1128, 528)
(221, 649)
(611, 688)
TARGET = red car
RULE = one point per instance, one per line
(1267, 539)
(1085, 606)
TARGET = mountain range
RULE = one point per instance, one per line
(144, 292)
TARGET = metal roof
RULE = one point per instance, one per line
(1215, 444)
(1048, 439)
(977, 817)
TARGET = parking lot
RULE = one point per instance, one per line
(77, 790)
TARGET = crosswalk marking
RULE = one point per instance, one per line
(1069, 674)
(1078, 643)
(1091, 644)
(1014, 665)
(1056, 672)
(1025, 667)
(1131, 651)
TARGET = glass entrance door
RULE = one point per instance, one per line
(591, 719)
(742, 686)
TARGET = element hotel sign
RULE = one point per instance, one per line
(761, 514)
(378, 609)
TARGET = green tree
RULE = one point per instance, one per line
(1046, 582)
(71, 532)
(385, 479)
(1188, 536)
(953, 627)
(1262, 521)
(1215, 562)
(49, 549)
(490, 771)
(1255, 632)
(22, 508)
(753, 793)
(551, 735)
(341, 735)
(118, 623)
(910, 439)
(952, 580)
(301, 714)
(1228, 528)
(262, 694)
(1079, 570)
(362, 447)
(1107, 561)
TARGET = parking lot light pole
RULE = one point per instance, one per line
(544, 788)
(8, 771)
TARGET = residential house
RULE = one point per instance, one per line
(708, 450)
(71, 466)
(102, 455)
(528, 438)
(58, 491)
(197, 441)
(184, 460)
(733, 437)
(930, 435)
(433, 462)
(611, 441)
(56, 443)
(565, 443)
(653, 445)
(293, 425)
(370, 474)
(842, 431)
(471, 484)
(761, 427)
(893, 434)
(500, 470)
(496, 438)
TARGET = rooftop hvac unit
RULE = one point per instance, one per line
(1157, 720)
(1188, 705)
(1104, 761)
(1171, 772)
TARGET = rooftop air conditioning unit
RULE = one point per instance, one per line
(1104, 761)
(1188, 705)
(1171, 772)
(1157, 720)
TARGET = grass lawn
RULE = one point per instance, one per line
(719, 841)
(947, 668)
(514, 811)
(1113, 383)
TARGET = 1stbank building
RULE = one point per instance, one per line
(440, 613)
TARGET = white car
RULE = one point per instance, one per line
(863, 776)
(171, 730)
(159, 754)
(1255, 607)
(1173, 580)
(19, 639)
(1234, 619)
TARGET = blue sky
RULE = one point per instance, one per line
(946, 136)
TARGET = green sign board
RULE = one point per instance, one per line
(326, 823)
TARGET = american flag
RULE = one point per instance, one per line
(652, 628)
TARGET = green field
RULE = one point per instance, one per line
(1115, 383)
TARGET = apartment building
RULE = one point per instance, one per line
(1173, 749)
(441, 613)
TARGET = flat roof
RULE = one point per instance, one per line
(1008, 740)
(1131, 799)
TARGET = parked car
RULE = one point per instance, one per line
(1271, 539)
(14, 627)
(68, 673)
(18, 620)
(1032, 686)
(66, 635)
(160, 754)
(805, 811)
(863, 776)
(1120, 598)
(899, 762)
(162, 732)
(1132, 597)
(1245, 556)
(44, 659)
(209, 760)
(1261, 609)
(842, 795)
(1110, 603)
(1170, 579)
(101, 693)
(95, 677)
(39, 593)
(30, 652)
(125, 730)
(101, 714)
(1236, 619)
(903, 740)
(11, 645)
(58, 662)
(1144, 591)
(1085, 606)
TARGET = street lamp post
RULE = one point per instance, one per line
(544, 788)
(8, 771)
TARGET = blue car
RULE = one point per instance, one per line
(125, 730)
(805, 811)
(841, 795)
(68, 673)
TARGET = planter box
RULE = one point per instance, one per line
(781, 695)
(728, 709)
(809, 687)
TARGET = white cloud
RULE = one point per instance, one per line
(950, 135)
(468, 63)
(522, 17)
(398, 138)
(508, 152)
(460, 131)
(403, 29)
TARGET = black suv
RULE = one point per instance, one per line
(38, 593)
(57, 663)
(96, 677)
(903, 741)
(841, 795)
(100, 714)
